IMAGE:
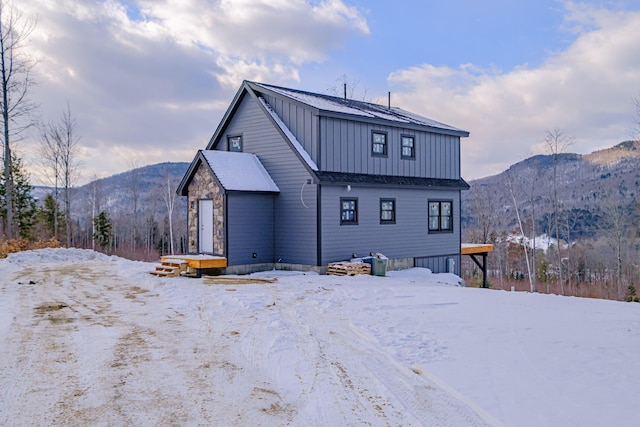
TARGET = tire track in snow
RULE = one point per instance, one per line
(418, 398)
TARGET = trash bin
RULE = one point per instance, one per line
(379, 267)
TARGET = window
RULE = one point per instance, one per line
(348, 211)
(379, 143)
(408, 147)
(235, 143)
(387, 211)
(440, 216)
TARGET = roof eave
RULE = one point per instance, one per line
(227, 115)
(183, 187)
(397, 124)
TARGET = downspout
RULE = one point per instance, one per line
(319, 223)
(226, 225)
(319, 199)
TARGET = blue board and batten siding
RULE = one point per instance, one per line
(342, 145)
(295, 206)
(305, 215)
(301, 121)
(346, 147)
(407, 238)
(252, 227)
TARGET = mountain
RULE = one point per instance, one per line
(588, 187)
(135, 204)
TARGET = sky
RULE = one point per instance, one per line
(148, 81)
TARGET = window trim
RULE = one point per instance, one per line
(413, 147)
(429, 216)
(229, 138)
(393, 211)
(355, 211)
(385, 153)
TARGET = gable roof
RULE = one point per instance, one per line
(234, 172)
(328, 105)
(325, 105)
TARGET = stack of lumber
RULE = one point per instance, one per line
(348, 268)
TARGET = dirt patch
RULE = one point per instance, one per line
(48, 307)
(237, 281)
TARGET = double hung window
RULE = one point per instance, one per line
(440, 216)
(387, 211)
(408, 147)
(379, 143)
(348, 211)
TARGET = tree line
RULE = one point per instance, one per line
(592, 253)
(139, 231)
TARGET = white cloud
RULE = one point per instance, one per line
(586, 90)
(156, 74)
(263, 37)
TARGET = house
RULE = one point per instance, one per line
(293, 179)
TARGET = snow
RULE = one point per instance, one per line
(542, 242)
(294, 141)
(322, 103)
(357, 108)
(239, 171)
(90, 339)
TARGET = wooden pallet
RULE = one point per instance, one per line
(170, 268)
(348, 268)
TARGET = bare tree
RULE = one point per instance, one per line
(68, 162)
(522, 236)
(557, 142)
(15, 68)
(59, 147)
(50, 162)
(346, 87)
(636, 131)
(169, 195)
(134, 189)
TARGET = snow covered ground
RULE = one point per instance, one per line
(87, 339)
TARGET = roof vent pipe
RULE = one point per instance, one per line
(389, 100)
(345, 91)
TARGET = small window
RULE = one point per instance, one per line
(387, 211)
(379, 143)
(235, 143)
(408, 147)
(348, 211)
(440, 216)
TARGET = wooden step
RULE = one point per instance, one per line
(170, 268)
(161, 273)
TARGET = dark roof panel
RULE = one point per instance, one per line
(365, 110)
(404, 181)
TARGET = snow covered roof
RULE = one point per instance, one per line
(294, 141)
(239, 171)
(333, 104)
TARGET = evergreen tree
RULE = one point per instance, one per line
(46, 216)
(102, 227)
(24, 205)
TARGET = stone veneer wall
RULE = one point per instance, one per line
(204, 186)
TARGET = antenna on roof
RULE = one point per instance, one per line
(389, 100)
(345, 91)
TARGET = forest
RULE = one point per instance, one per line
(560, 223)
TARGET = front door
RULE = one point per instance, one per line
(205, 220)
